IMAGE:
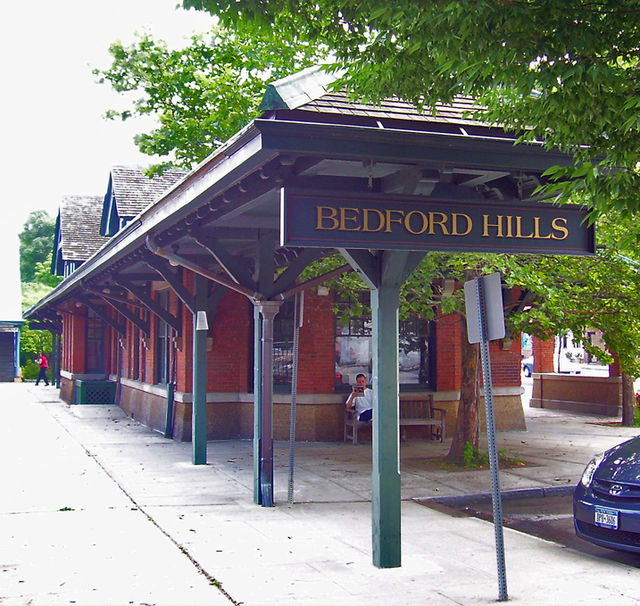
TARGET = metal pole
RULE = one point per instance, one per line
(257, 403)
(268, 310)
(199, 410)
(297, 323)
(16, 355)
(168, 419)
(491, 439)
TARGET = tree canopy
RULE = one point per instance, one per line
(565, 73)
(36, 243)
(201, 94)
(36, 250)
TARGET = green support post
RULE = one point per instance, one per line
(386, 495)
(268, 311)
(384, 273)
(199, 412)
(257, 402)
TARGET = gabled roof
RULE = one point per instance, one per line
(314, 139)
(297, 89)
(310, 91)
(130, 191)
(77, 230)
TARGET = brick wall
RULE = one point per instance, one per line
(505, 362)
(76, 338)
(542, 355)
(184, 371)
(316, 367)
(229, 360)
(448, 353)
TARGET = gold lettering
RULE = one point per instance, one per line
(454, 224)
(519, 233)
(509, 226)
(390, 219)
(536, 230)
(487, 225)
(421, 216)
(345, 217)
(365, 219)
(555, 224)
(441, 222)
(326, 214)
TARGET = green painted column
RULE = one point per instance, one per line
(199, 412)
(268, 311)
(386, 494)
(257, 402)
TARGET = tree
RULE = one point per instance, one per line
(565, 73)
(36, 251)
(36, 243)
(202, 94)
(42, 273)
(32, 342)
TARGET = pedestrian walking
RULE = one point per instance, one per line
(43, 362)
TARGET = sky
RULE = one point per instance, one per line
(53, 139)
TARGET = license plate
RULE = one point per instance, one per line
(608, 518)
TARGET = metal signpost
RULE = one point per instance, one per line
(298, 320)
(485, 322)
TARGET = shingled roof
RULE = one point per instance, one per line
(129, 192)
(309, 93)
(77, 230)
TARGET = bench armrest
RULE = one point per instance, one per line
(442, 411)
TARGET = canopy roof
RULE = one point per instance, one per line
(224, 215)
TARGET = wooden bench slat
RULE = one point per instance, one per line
(413, 413)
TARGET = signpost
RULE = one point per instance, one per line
(485, 322)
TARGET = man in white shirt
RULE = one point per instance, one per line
(361, 399)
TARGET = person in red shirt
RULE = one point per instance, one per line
(43, 363)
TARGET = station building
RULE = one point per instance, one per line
(210, 241)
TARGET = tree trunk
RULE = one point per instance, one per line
(628, 401)
(467, 423)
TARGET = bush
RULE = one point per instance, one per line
(30, 370)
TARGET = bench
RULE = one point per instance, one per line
(413, 413)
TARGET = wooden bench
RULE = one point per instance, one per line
(413, 413)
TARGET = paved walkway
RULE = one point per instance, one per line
(96, 509)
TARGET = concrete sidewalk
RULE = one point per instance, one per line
(97, 509)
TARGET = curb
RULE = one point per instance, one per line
(521, 493)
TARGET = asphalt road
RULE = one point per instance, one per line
(549, 518)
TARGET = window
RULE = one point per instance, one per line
(163, 338)
(283, 343)
(353, 349)
(95, 343)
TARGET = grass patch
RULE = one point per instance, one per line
(475, 459)
(636, 420)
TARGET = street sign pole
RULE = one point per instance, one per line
(480, 294)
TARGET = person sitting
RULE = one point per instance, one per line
(361, 399)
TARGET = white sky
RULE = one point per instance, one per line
(53, 138)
